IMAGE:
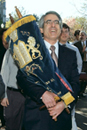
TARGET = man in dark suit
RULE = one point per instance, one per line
(82, 46)
(35, 119)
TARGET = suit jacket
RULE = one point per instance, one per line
(2, 88)
(80, 47)
(35, 119)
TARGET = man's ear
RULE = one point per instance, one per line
(41, 30)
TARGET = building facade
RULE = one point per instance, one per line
(3, 11)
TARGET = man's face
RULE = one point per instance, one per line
(64, 36)
(82, 37)
(51, 29)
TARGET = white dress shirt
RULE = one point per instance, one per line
(78, 56)
(48, 45)
(9, 71)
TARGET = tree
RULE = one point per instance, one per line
(14, 15)
(83, 8)
(76, 23)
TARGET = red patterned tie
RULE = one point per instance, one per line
(53, 55)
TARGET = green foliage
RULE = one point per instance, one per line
(81, 23)
(14, 15)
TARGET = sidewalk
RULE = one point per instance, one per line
(81, 113)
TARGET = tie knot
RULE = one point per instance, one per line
(52, 48)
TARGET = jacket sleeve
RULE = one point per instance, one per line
(30, 89)
(74, 79)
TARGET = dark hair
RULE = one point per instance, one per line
(76, 32)
(1, 32)
(66, 26)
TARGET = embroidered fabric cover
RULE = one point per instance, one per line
(33, 59)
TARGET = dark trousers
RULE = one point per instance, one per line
(82, 86)
(14, 111)
(2, 116)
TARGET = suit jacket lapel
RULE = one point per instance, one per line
(61, 57)
(81, 46)
(86, 43)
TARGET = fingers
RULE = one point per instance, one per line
(53, 113)
(50, 104)
(5, 102)
(55, 116)
(48, 99)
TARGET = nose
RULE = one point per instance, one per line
(52, 24)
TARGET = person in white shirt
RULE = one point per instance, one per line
(83, 39)
(14, 100)
(64, 36)
(63, 41)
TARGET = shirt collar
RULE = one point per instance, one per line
(63, 44)
(48, 45)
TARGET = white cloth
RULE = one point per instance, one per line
(83, 43)
(9, 71)
(74, 125)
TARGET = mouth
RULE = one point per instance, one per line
(53, 30)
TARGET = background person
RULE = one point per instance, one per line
(82, 46)
(76, 35)
(3, 48)
(63, 38)
(13, 102)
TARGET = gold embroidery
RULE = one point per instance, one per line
(21, 54)
(19, 23)
(34, 50)
(37, 82)
(59, 93)
(25, 33)
(47, 82)
(14, 35)
(30, 69)
(52, 80)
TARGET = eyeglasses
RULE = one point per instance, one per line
(65, 31)
(50, 22)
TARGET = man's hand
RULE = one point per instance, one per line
(48, 99)
(4, 102)
(56, 110)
